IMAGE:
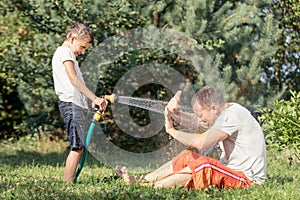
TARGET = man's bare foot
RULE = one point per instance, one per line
(126, 177)
(118, 171)
(123, 173)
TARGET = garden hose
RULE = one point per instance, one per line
(97, 116)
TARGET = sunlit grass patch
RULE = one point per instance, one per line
(34, 170)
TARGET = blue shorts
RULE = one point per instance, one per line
(74, 121)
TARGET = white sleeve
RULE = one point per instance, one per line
(227, 122)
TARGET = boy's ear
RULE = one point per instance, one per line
(73, 37)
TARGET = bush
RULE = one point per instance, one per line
(282, 123)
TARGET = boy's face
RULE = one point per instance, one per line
(207, 115)
(78, 46)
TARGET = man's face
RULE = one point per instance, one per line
(207, 115)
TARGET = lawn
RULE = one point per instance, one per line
(33, 170)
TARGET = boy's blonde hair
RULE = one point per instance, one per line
(81, 31)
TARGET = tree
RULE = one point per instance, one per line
(240, 36)
(286, 63)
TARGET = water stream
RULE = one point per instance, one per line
(158, 106)
(148, 104)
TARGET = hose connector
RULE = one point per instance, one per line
(97, 115)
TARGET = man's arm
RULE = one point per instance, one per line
(187, 119)
(199, 141)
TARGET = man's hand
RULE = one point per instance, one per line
(170, 109)
(168, 120)
(174, 102)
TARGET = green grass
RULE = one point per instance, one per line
(33, 170)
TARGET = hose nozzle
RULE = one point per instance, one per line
(111, 98)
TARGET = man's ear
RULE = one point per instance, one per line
(214, 108)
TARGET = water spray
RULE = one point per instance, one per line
(147, 104)
(186, 115)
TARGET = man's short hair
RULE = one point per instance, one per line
(208, 96)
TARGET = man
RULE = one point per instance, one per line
(243, 159)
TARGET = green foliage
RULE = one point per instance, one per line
(11, 110)
(282, 123)
(240, 36)
(34, 170)
(286, 62)
(30, 32)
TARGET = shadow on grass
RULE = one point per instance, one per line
(31, 157)
(50, 154)
(280, 179)
(22, 157)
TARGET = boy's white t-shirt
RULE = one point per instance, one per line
(62, 84)
(245, 149)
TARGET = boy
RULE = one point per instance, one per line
(72, 92)
(243, 159)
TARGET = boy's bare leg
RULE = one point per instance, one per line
(125, 175)
(71, 165)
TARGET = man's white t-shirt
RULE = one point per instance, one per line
(62, 84)
(244, 150)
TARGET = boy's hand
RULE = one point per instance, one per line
(100, 103)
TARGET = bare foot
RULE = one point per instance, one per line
(126, 177)
(123, 173)
(118, 171)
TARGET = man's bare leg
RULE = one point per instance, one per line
(163, 171)
(160, 173)
(161, 177)
(180, 179)
(71, 165)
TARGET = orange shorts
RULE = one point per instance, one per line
(208, 171)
